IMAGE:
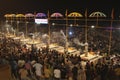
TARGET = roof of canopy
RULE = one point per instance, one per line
(75, 14)
(41, 15)
(97, 14)
(7, 15)
(12, 15)
(56, 15)
(20, 15)
(29, 15)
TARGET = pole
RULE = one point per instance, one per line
(66, 40)
(17, 26)
(75, 21)
(35, 26)
(49, 30)
(26, 28)
(11, 20)
(110, 38)
(97, 22)
(86, 35)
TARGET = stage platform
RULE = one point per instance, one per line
(90, 57)
(17, 38)
(71, 50)
(10, 36)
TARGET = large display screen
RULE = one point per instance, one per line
(41, 21)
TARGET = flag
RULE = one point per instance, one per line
(86, 13)
(112, 14)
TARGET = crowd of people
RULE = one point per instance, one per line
(46, 64)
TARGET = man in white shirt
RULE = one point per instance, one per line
(38, 70)
(57, 74)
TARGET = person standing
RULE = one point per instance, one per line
(38, 70)
(14, 66)
(28, 68)
(57, 74)
(75, 72)
(47, 73)
(63, 72)
(23, 74)
(87, 71)
(81, 74)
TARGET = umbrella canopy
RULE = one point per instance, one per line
(29, 15)
(12, 15)
(97, 14)
(56, 15)
(41, 15)
(75, 14)
(7, 15)
(20, 15)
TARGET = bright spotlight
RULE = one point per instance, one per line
(92, 26)
(53, 24)
(71, 25)
(70, 33)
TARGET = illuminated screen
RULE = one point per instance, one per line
(41, 21)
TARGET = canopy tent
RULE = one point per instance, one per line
(97, 14)
(56, 15)
(75, 14)
(40, 15)
(12, 15)
(29, 15)
(7, 15)
(20, 15)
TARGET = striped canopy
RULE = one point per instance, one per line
(97, 14)
(75, 14)
(41, 15)
(56, 15)
(29, 15)
(20, 15)
(12, 15)
(7, 15)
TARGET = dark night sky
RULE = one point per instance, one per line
(26, 6)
